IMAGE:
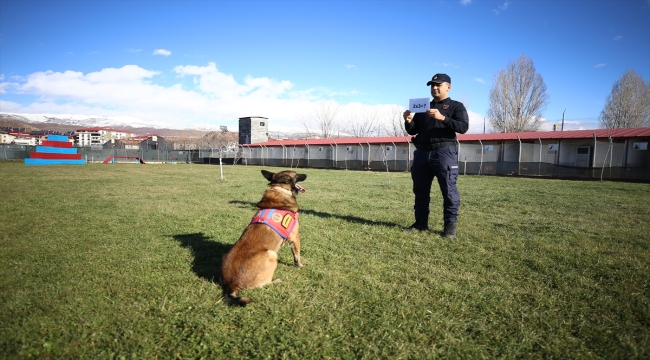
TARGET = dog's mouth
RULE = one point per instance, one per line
(300, 188)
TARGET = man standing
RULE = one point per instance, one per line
(436, 154)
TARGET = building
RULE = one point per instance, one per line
(618, 154)
(143, 142)
(25, 139)
(99, 136)
(253, 129)
(6, 138)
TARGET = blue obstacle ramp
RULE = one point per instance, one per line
(33, 161)
(55, 150)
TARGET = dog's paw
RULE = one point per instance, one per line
(299, 264)
(277, 281)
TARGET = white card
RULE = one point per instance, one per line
(419, 105)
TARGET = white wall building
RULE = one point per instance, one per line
(99, 136)
(6, 138)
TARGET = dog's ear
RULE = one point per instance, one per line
(301, 177)
(268, 175)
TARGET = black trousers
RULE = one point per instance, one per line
(441, 163)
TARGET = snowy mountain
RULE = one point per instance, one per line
(84, 120)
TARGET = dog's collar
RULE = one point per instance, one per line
(288, 192)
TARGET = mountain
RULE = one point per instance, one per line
(81, 121)
(65, 123)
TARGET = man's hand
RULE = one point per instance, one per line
(434, 113)
(408, 116)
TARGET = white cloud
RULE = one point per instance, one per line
(204, 96)
(8, 106)
(211, 97)
(477, 123)
(479, 80)
(502, 8)
(617, 38)
(134, 50)
(447, 64)
(600, 65)
(465, 2)
(162, 52)
(350, 66)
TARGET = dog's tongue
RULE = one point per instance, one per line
(300, 188)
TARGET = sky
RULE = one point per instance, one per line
(190, 63)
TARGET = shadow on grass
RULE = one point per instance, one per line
(320, 214)
(207, 255)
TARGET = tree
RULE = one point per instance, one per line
(323, 120)
(517, 98)
(395, 122)
(628, 106)
(362, 122)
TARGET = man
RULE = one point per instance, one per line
(436, 154)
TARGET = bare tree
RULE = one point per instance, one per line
(628, 106)
(395, 123)
(363, 122)
(323, 119)
(517, 98)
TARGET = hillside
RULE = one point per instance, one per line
(19, 122)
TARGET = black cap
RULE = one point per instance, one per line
(439, 78)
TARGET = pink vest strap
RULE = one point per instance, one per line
(282, 221)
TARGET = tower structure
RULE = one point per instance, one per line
(253, 129)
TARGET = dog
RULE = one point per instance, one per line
(253, 259)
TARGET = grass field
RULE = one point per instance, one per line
(122, 261)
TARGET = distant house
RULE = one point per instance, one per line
(21, 138)
(144, 142)
(152, 142)
(99, 136)
(6, 138)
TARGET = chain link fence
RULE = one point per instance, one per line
(625, 160)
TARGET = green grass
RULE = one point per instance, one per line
(121, 261)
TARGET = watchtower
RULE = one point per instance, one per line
(253, 129)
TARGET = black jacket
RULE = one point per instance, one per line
(430, 130)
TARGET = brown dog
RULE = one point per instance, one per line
(253, 259)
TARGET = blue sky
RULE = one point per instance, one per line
(189, 63)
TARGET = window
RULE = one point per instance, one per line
(261, 123)
(583, 151)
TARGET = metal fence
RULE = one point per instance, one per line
(91, 155)
(579, 159)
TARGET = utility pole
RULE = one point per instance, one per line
(562, 128)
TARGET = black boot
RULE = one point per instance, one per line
(417, 227)
(450, 229)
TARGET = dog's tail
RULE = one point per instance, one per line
(230, 297)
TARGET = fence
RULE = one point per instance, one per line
(21, 152)
(576, 159)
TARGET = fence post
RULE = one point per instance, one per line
(480, 168)
(519, 157)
